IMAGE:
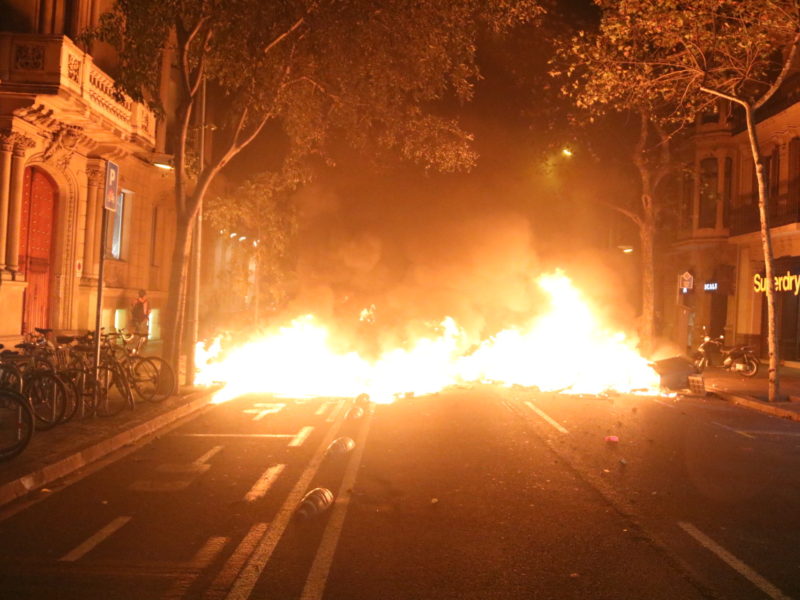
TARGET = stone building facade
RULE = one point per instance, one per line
(718, 242)
(60, 125)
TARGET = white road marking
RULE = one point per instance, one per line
(335, 412)
(262, 485)
(248, 576)
(662, 403)
(83, 549)
(150, 485)
(262, 409)
(183, 468)
(227, 575)
(208, 455)
(323, 408)
(320, 568)
(546, 417)
(787, 433)
(301, 436)
(733, 562)
(202, 559)
(239, 435)
(742, 433)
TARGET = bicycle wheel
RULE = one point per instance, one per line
(10, 377)
(46, 396)
(165, 381)
(16, 424)
(144, 377)
(73, 382)
(112, 394)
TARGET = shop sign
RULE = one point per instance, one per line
(686, 281)
(710, 286)
(790, 282)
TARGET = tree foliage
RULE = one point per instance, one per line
(674, 58)
(370, 71)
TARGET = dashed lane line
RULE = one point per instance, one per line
(201, 560)
(251, 571)
(301, 436)
(208, 455)
(227, 575)
(94, 540)
(545, 416)
(324, 407)
(662, 403)
(239, 435)
(262, 485)
(736, 564)
(320, 568)
(742, 433)
(335, 412)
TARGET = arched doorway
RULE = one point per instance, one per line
(37, 237)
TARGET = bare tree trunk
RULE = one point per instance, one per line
(176, 300)
(766, 246)
(647, 239)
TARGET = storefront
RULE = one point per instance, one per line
(787, 306)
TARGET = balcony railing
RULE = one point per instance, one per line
(53, 65)
(745, 217)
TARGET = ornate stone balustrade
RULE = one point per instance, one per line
(53, 65)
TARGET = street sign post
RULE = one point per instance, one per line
(111, 193)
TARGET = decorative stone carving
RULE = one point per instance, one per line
(63, 141)
(38, 115)
(95, 176)
(29, 57)
(74, 68)
(22, 143)
(6, 140)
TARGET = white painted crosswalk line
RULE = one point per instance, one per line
(261, 487)
(93, 541)
(301, 436)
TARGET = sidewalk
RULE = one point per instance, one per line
(752, 392)
(71, 446)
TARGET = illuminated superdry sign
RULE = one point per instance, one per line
(790, 282)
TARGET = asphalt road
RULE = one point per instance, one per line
(472, 493)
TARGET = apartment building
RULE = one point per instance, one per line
(713, 278)
(60, 126)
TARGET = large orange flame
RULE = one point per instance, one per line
(565, 349)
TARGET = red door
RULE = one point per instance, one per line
(39, 198)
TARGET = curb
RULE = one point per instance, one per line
(27, 483)
(753, 404)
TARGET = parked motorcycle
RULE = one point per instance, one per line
(739, 359)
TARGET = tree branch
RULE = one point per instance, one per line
(787, 65)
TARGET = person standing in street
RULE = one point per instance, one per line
(140, 314)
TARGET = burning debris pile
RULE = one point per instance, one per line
(566, 348)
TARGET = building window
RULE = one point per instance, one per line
(708, 193)
(115, 228)
(153, 238)
(794, 172)
(687, 203)
(727, 192)
(774, 175)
